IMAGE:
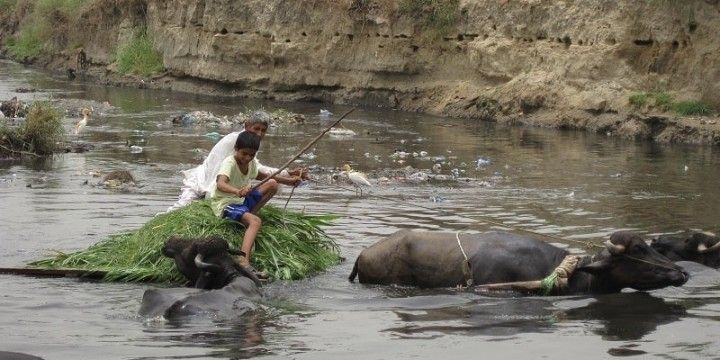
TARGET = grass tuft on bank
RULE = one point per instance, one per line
(40, 134)
(139, 57)
(436, 15)
(44, 28)
(289, 246)
(663, 101)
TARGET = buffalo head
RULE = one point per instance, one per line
(207, 263)
(690, 246)
(627, 261)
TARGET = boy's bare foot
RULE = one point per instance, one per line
(245, 263)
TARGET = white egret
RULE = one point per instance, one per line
(358, 179)
(82, 123)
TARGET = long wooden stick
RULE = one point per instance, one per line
(90, 274)
(303, 150)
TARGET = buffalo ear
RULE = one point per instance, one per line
(595, 267)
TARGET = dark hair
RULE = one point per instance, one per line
(247, 140)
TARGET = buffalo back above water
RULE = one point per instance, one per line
(434, 259)
(689, 246)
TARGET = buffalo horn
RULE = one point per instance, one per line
(613, 248)
(704, 249)
(200, 263)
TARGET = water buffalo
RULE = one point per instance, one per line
(206, 263)
(434, 259)
(690, 246)
(233, 300)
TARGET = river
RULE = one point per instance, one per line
(571, 185)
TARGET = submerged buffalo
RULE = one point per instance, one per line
(434, 259)
(690, 246)
(232, 301)
(206, 263)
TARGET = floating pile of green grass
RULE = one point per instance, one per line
(289, 246)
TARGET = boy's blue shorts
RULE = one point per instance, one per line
(236, 211)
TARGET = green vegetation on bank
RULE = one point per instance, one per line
(693, 108)
(42, 30)
(663, 101)
(436, 15)
(290, 245)
(7, 5)
(41, 133)
(138, 56)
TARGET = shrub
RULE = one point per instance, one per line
(39, 135)
(139, 57)
(44, 27)
(693, 108)
(638, 100)
(7, 5)
(663, 100)
(43, 128)
(30, 42)
(437, 15)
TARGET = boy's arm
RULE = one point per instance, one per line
(285, 180)
(223, 184)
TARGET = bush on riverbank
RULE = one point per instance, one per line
(44, 28)
(689, 108)
(139, 57)
(290, 245)
(39, 135)
(664, 102)
(436, 15)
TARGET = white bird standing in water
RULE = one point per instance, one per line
(358, 179)
(82, 123)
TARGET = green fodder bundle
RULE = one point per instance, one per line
(290, 245)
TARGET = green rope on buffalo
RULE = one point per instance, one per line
(290, 245)
(559, 277)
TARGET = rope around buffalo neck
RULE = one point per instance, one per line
(466, 268)
(559, 277)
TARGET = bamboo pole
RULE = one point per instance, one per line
(89, 274)
(311, 143)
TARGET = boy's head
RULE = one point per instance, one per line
(247, 140)
(258, 123)
(246, 145)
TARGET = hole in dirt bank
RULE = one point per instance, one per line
(675, 44)
(692, 26)
(414, 48)
(303, 34)
(350, 37)
(643, 42)
(223, 31)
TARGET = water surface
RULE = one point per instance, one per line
(569, 185)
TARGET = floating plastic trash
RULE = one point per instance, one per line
(341, 132)
(214, 135)
(134, 149)
(308, 156)
(482, 162)
(325, 113)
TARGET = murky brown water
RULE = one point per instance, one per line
(567, 184)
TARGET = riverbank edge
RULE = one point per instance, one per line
(655, 127)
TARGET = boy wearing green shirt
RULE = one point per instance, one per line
(233, 197)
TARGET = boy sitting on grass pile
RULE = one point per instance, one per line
(234, 198)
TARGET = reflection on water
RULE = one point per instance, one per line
(565, 184)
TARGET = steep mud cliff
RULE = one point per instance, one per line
(568, 64)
